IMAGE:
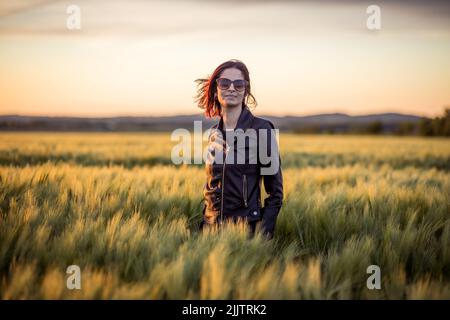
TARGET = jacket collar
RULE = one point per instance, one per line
(244, 122)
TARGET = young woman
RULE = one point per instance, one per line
(232, 190)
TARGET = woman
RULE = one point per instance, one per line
(233, 188)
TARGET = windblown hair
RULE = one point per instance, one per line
(207, 89)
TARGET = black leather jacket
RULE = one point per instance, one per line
(233, 189)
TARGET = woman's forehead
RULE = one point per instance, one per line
(232, 74)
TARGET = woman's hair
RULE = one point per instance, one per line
(207, 88)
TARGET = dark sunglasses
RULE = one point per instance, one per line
(224, 84)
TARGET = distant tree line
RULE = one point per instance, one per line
(438, 126)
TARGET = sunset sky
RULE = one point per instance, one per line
(135, 57)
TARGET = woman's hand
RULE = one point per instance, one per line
(216, 145)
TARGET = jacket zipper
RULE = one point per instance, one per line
(221, 200)
(244, 190)
(223, 187)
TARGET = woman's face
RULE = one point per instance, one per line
(229, 98)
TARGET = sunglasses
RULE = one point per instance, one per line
(224, 84)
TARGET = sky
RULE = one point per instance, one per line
(136, 57)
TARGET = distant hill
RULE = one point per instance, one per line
(333, 122)
(341, 121)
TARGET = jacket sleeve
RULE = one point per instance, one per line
(273, 184)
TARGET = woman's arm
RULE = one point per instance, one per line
(273, 184)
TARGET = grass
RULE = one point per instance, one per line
(115, 205)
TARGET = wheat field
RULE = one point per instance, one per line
(116, 206)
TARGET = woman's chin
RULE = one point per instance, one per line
(231, 104)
